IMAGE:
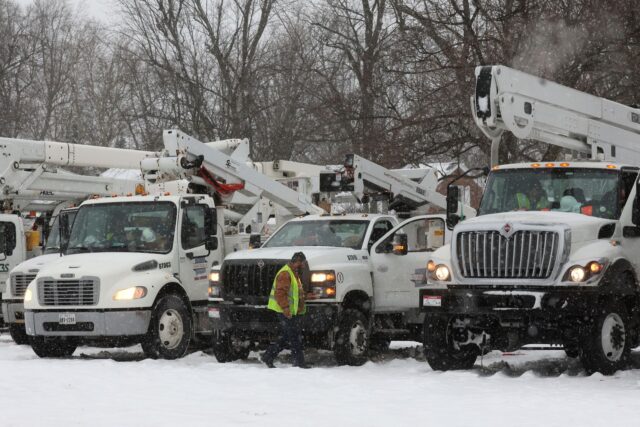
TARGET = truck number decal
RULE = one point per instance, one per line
(352, 257)
(4, 268)
(164, 265)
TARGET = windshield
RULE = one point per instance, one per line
(594, 192)
(52, 244)
(123, 227)
(337, 233)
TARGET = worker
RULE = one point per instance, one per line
(287, 300)
(534, 199)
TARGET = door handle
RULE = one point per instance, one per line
(383, 268)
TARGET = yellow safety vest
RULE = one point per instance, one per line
(294, 295)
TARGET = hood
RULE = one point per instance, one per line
(36, 263)
(582, 227)
(107, 265)
(315, 254)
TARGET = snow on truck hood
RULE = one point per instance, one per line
(97, 264)
(314, 254)
(37, 263)
(582, 227)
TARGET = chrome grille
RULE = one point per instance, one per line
(525, 255)
(68, 292)
(19, 283)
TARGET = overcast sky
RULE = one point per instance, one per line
(98, 9)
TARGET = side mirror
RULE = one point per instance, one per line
(400, 246)
(211, 244)
(255, 241)
(211, 221)
(453, 195)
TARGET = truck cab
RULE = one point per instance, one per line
(22, 274)
(365, 271)
(551, 258)
(12, 246)
(135, 270)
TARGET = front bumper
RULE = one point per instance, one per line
(13, 311)
(112, 323)
(261, 323)
(515, 316)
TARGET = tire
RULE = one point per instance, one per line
(352, 339)
(607, 347)
(224, 349)
(170, 329)
(18, 333)
(53, 347)
(439, 351)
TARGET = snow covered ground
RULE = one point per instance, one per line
(99, 387)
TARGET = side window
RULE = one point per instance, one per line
(380, 228)
(628, 180)
(423, 234)
(8, 231)
(193, 232)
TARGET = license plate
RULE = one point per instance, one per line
(67, 318)
(214, 313)
(432, 301)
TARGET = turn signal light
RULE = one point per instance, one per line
(431, 266)
(595, 267)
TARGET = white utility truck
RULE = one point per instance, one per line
(554, 253)
(31, 180)
(365, 270)
(135, 268)
(25, 272)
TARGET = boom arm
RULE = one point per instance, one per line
(541, 110)
(187, 158)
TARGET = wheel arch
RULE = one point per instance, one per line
(359, 300)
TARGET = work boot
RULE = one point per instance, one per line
(302, 366)
(267, 362)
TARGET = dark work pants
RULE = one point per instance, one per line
(290, 333)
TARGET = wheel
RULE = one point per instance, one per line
(352, 339)
(53, 346)
(18, 333)
(227, 348)
(606, 349)
(439, 350)
(169, 330)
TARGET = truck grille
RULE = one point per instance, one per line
(525, 255)
(68, 292)
(19, 283)
(248, 279)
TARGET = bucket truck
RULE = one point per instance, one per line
(31, 179)
(136, 268)
(553, 255)
(365, 269)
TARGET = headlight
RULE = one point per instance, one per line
(28, 295)
(134, 292)
(577, 274)
(580, 274)
(323, 283)
(214, 277)
(442, 273)
(323, 277)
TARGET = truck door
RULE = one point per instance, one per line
(195, 259)
(397, 279)
(12, 247)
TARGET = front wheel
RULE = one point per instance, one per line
(352, 339)
(18, 334)
(53, 347)
(439, 350)
(170, 329)
(227, 348)
(606, 349)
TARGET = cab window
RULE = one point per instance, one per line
(423, 235)
(380, 228)
(193, 232)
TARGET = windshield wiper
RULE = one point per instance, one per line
(79, 248)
